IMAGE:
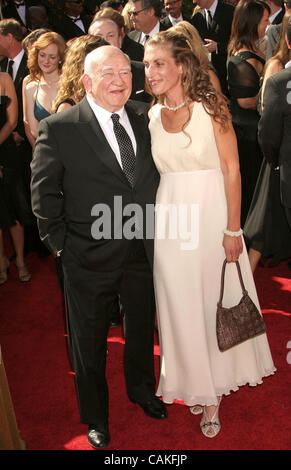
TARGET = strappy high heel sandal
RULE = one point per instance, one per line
(23, 273)
(210, 427)
(196, 410)
(4, 273)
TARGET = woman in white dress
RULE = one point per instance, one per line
(197, 227)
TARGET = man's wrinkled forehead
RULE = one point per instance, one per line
(108, 56)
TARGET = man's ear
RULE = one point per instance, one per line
(288, 42)
(87, 82)
(151, 11)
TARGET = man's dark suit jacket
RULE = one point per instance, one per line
(279, 18)
(136, 35)
(10, 10)
(275, 129)
(220, 33)
(21, 73)
(68, 29)
(166, 22)
(138, 83)
(72, 157)
(133, 49)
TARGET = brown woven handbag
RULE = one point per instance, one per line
(236, 324)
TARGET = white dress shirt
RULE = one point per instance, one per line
(212, 10)
(272, 17)
(21, 12)
(79, 22)
(17, 59)
(155, 30)
(175, 20)
(104, 118)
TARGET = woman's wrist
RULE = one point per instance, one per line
(230, 233)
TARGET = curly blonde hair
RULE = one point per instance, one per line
(42, 42)
(195, 80)
(70, 83)
(199, 50)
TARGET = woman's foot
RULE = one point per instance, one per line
(23, 273)
(4, 270)
(210, 425)
(196, 409)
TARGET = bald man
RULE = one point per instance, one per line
(109, 30)
(93, 179)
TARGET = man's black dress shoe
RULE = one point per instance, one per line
(97, 437)
(154, 408)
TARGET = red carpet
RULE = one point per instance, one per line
(33, 343)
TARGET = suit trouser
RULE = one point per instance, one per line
(90, 296)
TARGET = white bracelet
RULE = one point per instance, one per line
(233, 234)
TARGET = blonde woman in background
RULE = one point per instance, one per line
(198, 48)
(71, 89)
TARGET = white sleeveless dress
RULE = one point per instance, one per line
(191, 215)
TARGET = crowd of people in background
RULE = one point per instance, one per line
(43, 52)
(238, 50)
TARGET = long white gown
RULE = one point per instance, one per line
(191, 215)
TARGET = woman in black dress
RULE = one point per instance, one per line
(267, 232)
(14, 209)
(245, 66)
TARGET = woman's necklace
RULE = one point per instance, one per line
(177, 107)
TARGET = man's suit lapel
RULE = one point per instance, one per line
(135, 35)
(215, 19)
(91, 131)
(72, 27)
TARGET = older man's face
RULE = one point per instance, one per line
(109, 83)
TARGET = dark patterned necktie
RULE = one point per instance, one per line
(10, 68)
(125, 147)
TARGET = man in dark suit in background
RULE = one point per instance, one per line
(133, 49)
(108, 30)
(213, 22)
(273, 33)
(145, 15)
(93, 153)
(277, 11)
(275, 126)
(174, 13)
(18, 9)
(74, 22)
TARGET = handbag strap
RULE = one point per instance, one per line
(222, 281)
